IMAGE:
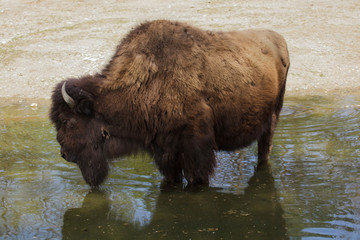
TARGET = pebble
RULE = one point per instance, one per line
(34, 106)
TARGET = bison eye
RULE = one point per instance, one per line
(68, 123)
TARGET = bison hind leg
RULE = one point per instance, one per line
(265, 141)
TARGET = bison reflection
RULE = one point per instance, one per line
(205, 214)
(177, 92)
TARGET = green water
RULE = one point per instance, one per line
(311, 191)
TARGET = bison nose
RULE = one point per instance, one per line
(63, 154)
(67, 157)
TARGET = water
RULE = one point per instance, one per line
(311, 190)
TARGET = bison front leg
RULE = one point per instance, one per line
(173, 173)
(169, 167)
(198, 160)
(265, 141)
(197, 144)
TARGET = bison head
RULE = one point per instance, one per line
(80, 131)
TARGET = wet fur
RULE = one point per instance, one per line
(179, 93)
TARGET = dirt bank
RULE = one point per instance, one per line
(44, 41)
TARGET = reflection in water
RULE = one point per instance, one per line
(318, 146)
(203, 213)
(313, 191)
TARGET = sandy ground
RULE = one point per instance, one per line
(45, 41)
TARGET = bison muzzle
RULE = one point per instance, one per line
(177, 92)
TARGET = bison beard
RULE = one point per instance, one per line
(94, 167)
(177, 92)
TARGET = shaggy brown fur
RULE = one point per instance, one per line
(179, 93)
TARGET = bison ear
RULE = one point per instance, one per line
(85, 103)
(85, 106)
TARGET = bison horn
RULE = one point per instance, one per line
(69, 100)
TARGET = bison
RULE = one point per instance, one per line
(177, 92)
